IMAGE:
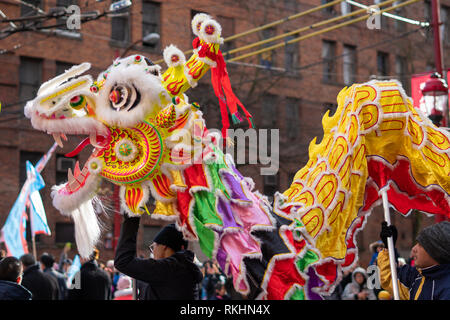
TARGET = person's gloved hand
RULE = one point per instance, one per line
(388, 231)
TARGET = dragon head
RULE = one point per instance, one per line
(128, 117)
(143, 131)
(129, 91)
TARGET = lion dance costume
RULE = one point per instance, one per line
(149, 140)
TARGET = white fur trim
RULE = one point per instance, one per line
(148, 85)
(170, 52)
(70, 126)
(211, 31)
(99, 166)
(67, 203)
(72, 72)
(87, 229)
(199, 18)
(123, 203)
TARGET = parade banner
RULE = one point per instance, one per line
(14, 230)
(38, 218)
(13, 233)
(74, 268)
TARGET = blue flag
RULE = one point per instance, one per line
(74, 268)
(13, 232)
(38, 218)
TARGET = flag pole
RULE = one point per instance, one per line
(33, 241)
(390, 242)
(134, 284)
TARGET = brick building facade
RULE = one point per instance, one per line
(289, 89)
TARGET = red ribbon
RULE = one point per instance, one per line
(222, 86)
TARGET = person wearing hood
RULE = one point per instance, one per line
(357, 289)
(11, 271)
(429, 279)
(170, 274)
(375, 248)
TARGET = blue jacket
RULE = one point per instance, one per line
(431, 283)
(13, 291)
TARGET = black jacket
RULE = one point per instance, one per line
(13, 291)
(173, 278)
(61, 282)
(41, 285)
(95, 283)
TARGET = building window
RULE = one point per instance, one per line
(445, 26)
(193, 14)
(28, 10)
(30, 77)
(382, 63)
(269, 111)
(290, 5)
(120, 26)
(227, 31)
(151, 21)
(62, 67)
(270, 186)
(64, 232)
(330, 10)
(329, 64)
(427, 15)
(383, 20)
(399, 26)
(349, 64)
(331, 107)
(291, 177)
(64, 4)
(63, 164)
(292, 118)
(346, 8)
(267, 58)
(401, 71)
(427, 10)
(25, 156)
(291, 56)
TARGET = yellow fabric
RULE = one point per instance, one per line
(375, 118)
(419, 290)
(164, 209)
(385, 276)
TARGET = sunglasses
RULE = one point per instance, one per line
(152, 247)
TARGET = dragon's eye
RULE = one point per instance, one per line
(123, 97)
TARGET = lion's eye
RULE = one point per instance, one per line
(123, 97)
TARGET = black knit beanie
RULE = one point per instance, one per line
(171, 237)
(436, 241)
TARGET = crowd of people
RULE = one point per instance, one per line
(26, 278)
(171, 271)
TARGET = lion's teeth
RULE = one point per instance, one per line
(57, 138)
(93, 140)
(70, 176)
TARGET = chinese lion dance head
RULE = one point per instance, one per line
(143, 130)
